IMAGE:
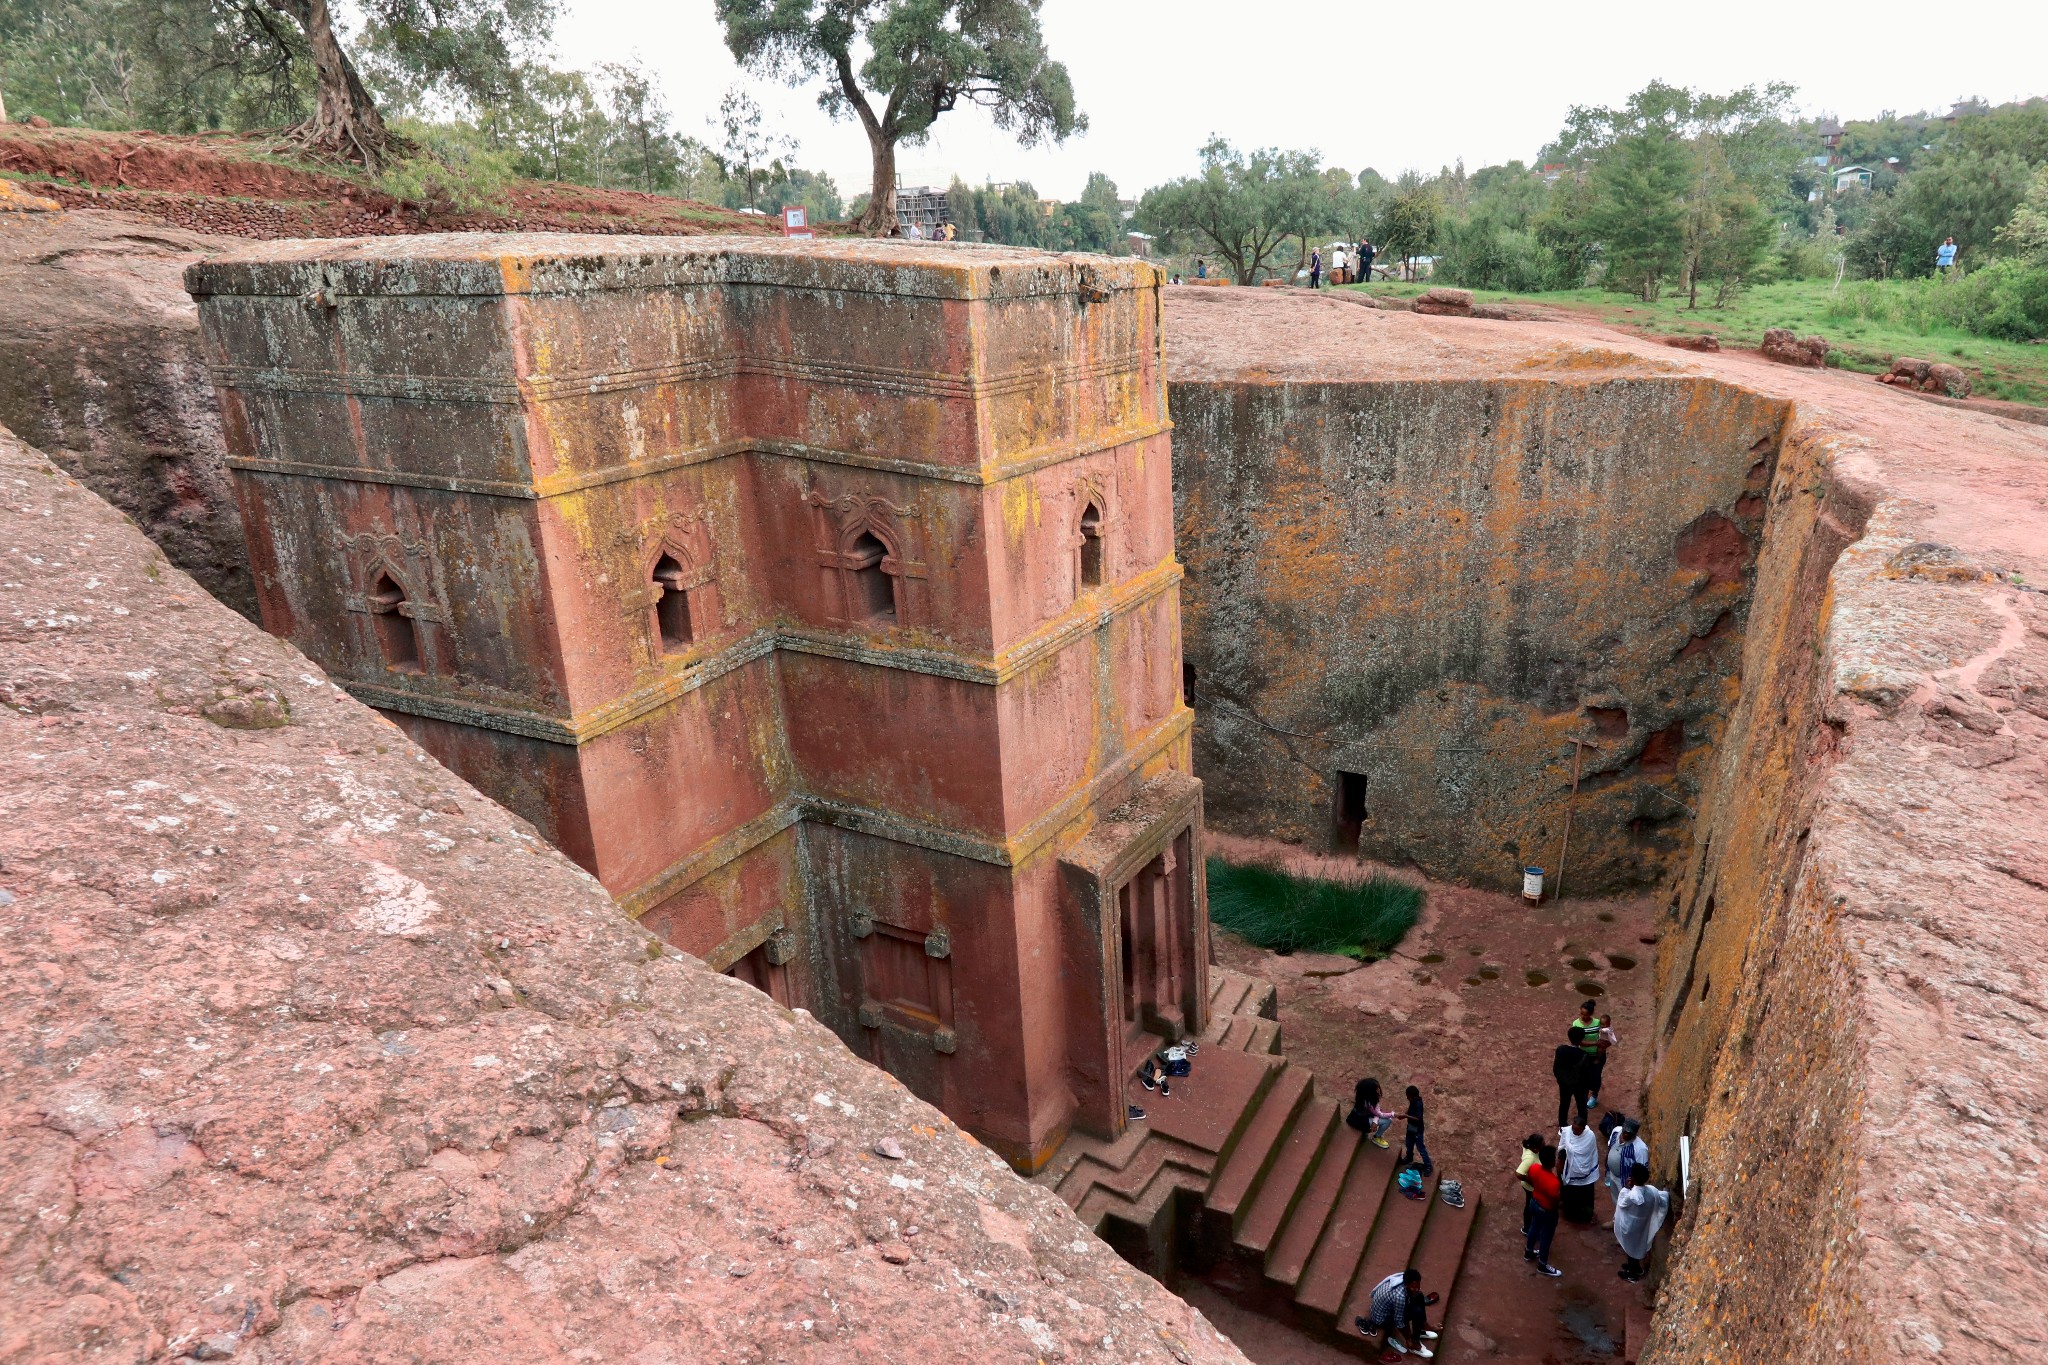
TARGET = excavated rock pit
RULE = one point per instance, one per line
(1849, 1033)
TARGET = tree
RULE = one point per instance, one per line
(1409, 224)
(922, 58)
(648, 155)
(2026, 235)
(1243, 206)
(1638, 211)
(748, 152)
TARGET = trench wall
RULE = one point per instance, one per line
(1437, 585)
(1759, 1045)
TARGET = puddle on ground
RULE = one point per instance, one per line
(1589, 988)
(1582, 964)
(1536, 979)
(1489, 973)
(1431, 958)
(1586, 1322)
(1621, 962)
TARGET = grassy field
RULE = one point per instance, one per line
(1309, 914)
(2016, 371)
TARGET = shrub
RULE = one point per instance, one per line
(2007, 299)
(1311, 914)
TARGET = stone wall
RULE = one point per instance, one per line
(1436, 585)
(318, 1054)
(1850, 981)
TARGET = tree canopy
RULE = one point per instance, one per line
(1242, 206)
(897, 65)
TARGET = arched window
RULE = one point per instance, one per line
(874, 587)
(397, 634)
(1091, 546)
(672, 604)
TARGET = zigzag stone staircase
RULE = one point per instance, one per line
(1250, 1179)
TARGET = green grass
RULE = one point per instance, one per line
(1869, 322)
(1311, 914)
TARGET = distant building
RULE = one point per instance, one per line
(1140, 243)
(1849, 176)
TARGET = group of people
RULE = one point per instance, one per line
(1346, 266)
(1398, 1312)
(1558, 1179)
(940, 232)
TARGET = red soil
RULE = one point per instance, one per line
(224, 183)
(1470, 1030)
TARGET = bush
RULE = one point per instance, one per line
(1311, 914)
(2006, 299)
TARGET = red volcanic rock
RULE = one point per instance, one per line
(316, 1054)
(1701, 342)
(1452, 303)
(1780, 345)
(1927, 376)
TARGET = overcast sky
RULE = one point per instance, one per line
(1424, 86)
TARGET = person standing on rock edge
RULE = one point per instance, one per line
(1547, 1192)
(1568, 1064)
(1579, 1148)
(1595, 1046)
(1412, 1143)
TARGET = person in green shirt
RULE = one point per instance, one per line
(1594, 1039)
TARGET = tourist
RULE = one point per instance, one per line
(1412, 1144)
(1315, 269)
(1367, 1116)
(1201, 268)
(1596, 1050)
(1568, 1066)
(1625, 1150)
(1579, 1148)
(1547, 1192)
(1532, 1149)
(1945, 256)
(1337, 264)
(1366, 251)
(1638, 1213)
(1397, 1305)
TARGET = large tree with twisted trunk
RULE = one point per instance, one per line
(896, 65)
(464, 49)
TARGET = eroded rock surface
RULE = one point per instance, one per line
(318, 1055)
(100, 367)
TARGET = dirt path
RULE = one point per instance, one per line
(1459, 1011)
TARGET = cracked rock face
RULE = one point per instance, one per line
(318, 1055)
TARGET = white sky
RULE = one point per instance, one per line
(1487, 81)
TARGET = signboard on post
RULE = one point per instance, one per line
(796, 222)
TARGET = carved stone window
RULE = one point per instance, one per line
(871, 570)
(1091, 546)
(907, 981)
(672, 604)
(397, 634)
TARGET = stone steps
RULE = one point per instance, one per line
(1307, 1209)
